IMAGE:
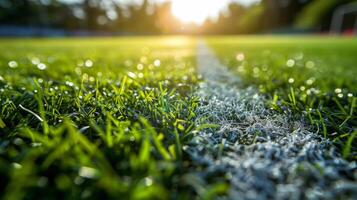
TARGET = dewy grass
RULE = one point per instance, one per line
(96, 118)
(313, 76)
(116, 118)
(261, 153)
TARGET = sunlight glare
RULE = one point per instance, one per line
(196, 11)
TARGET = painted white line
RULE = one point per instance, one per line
(263, 154)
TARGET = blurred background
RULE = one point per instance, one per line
(151, 17)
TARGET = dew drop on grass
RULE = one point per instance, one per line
(70, 84)
(88, 63)
(87, 172)
(36, 144)
(35, 61)
(310, 64)
(290, 63)
(16, 165)
(140, 66)
(13, 64)
(157, 63)
(41, 66)
(240, 57)
(132, 75)
(148, 181)
(338, 90)
(310, 81)
(314, 91)
(308, 92)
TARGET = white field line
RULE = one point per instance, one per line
(263, 154)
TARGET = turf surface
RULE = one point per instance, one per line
(107, 118)
(95, 117)
(313, 76)
(261, 153)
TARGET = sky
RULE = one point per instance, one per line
(196, 11)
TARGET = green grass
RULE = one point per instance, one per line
(96, 118)
(313, 76)
(109, 117)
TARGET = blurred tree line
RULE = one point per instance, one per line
(156, 18)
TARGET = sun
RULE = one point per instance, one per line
(196, 11)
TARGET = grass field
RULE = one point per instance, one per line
(313, 76)
(107, 118)
(110, 114)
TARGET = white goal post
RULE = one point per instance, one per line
(338, 16)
